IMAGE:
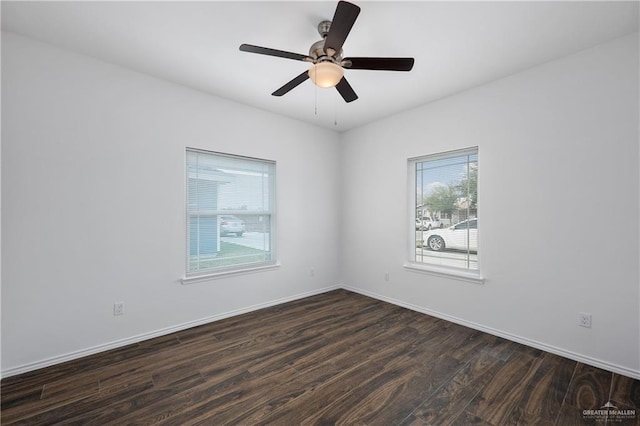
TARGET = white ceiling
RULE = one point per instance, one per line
(456, 45)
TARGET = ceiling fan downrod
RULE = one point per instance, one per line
(317, 50)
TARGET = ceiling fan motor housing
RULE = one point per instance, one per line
(319, 54)
(318, 51)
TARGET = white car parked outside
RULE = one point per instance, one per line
(428, 223)
(461, 236)
(231, 225)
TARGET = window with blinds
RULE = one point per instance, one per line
(230, 212)
(446, 209)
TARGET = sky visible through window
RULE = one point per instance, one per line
(442, 173)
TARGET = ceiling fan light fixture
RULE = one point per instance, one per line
(326, 74)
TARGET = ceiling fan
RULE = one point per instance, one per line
(326, 56)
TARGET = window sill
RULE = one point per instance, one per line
(228, 273)
(461, 275)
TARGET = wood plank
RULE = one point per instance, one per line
(544, 392)
(625, 393)
(102, 408)
(589, 390)
(501, 395)
(450, 401)
(391, 394)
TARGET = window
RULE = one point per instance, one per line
(230, 212)
(445, 188)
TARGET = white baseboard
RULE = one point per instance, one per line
(157, 333)
(168, 330)
(635, 374)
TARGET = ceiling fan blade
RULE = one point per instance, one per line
(341, 24)
(273, 52)
(385, 64)
(292, 84)
(346, 91)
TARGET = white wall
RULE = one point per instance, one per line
(558, 199)
(93, 204)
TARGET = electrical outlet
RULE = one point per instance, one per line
(118, 308)
(584, 319)
(312, 272)
(386, 276)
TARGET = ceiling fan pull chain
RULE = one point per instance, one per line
(315, 97)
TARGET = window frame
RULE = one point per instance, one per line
(241, 268)
(412, 265)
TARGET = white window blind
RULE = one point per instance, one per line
(446, 209)
(230, 212)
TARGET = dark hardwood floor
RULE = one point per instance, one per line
(336, 358)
